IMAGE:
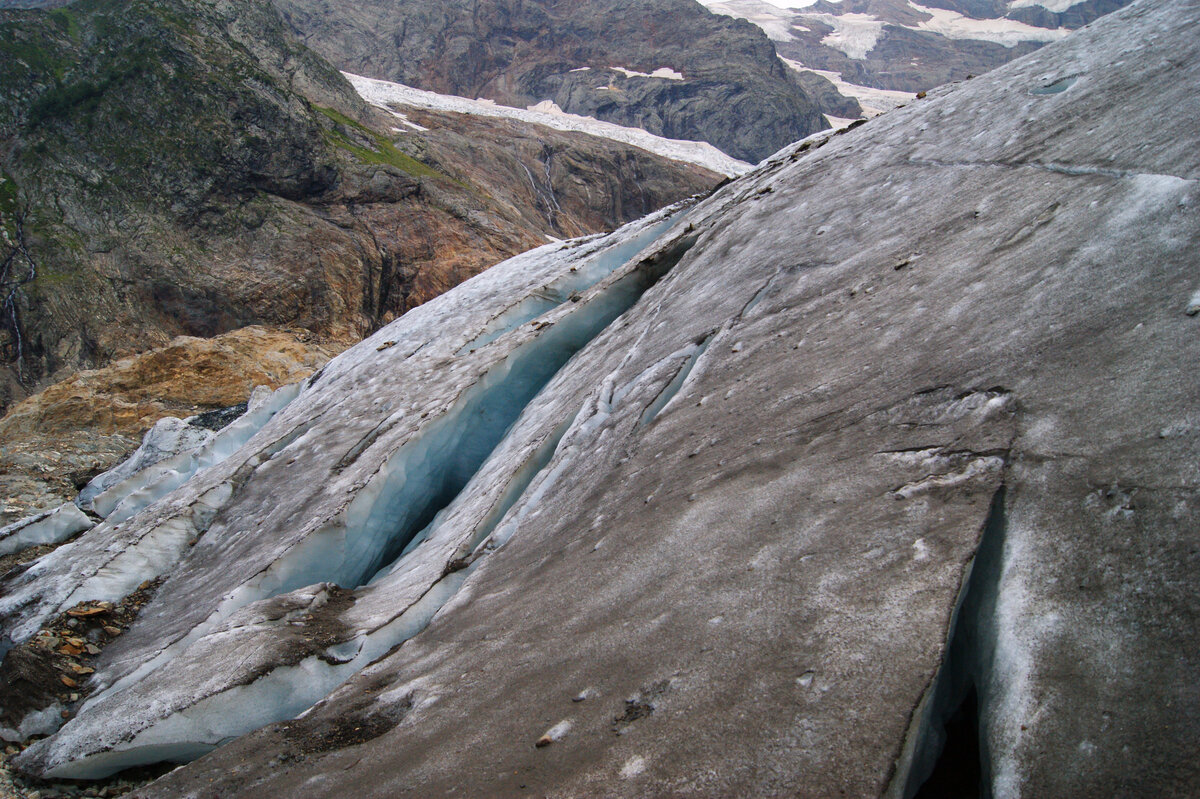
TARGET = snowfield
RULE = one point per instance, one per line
(873, 101)
(1005, 32)
(856, 34)
(384, 94)
(853, 34)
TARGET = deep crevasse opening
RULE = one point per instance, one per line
(427, 473)
(517, 485)
(567, 286)
(958, 701)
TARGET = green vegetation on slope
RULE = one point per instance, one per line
(382, 151)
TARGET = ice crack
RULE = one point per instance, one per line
(1074, 170)
(959, 698)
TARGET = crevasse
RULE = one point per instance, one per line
(389, 516)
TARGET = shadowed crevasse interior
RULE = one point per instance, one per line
(949, 758)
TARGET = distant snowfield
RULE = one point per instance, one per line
(1007, 32)
(791, 3)
(666, 73)
(382, 93)
(1055, 6)
(856, 34)
(767, 16)
(873, 101)
(853, 34)
(837, 123)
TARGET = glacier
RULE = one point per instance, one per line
(772, 492)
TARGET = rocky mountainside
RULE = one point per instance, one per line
(667, 66)
(907, 47)
(185, 167)
(872, 473)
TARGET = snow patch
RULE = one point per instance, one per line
(773, 18)
(384, 93)
(853, 34)
(837, 123)
(546, 107)
(872, 101)
(1053, 6)
(665, 73)
(404, 120)
(1006, 32)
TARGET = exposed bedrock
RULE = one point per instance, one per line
(890, 442)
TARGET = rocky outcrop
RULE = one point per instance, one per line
(187, 168)
(666, 66)
(891, 437)
(58, 439)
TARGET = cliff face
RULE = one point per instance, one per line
(889, 441)
(719, 79)
(187, 168)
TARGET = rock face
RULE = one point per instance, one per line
(188, 168)
(666, 66)
(894, 436)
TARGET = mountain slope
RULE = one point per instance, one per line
(749, 498)
(186, 167)
(663, 65)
